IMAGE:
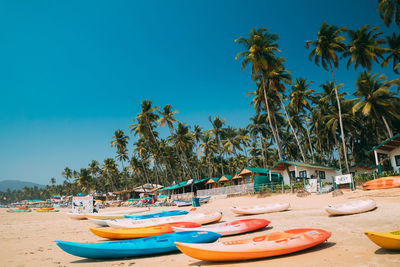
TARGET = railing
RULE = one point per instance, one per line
(227, 190)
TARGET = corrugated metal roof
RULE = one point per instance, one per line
(388, 142)
(299, 164)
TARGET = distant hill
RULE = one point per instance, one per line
(17, 185)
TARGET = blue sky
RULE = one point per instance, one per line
(73, 72)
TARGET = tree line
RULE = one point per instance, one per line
(294, 118)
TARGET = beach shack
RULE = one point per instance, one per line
(212, 182)
(361, 168)
(146, 189)
(387, 154)
(225, 180)
(301, 170)
(184, 187)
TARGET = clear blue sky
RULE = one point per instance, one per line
(72, 72)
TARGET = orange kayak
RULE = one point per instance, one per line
(382, 183)
(46, 208)
(129, 233)
(269, 245)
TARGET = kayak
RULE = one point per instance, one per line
(19, 210)
(382, 183)
(201, 218)
(157, 215)
(129, 233)
(259, 209)
(389, 240)
(84, 216)
(269, 245)
(41, 210)
(352, 207)
(47, 208)
(229, 228)
(135, 247)
(121, 215)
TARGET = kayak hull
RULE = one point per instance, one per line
(135, 247)
(269, 245)
(230, 228)
(260, 209)
(382, 183)
(353, 207)
(389, 240)
(130, 233)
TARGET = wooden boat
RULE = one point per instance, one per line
(389, 240)
(382, 183)
(201, 218)
(229, 228)
(269, 245)
(259, 209)
(352, 207)
(135, 247)
(129, 233)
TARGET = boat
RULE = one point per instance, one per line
(84, 216)
(129, 233)
(201, 218)
(113, 216)
(353, 207)
(274, 244)
(18, 210)
(382, 183)
(135, 247)
(229, 228)
(389, 240)
(46, 208)
(183, 203)
(157, 215)
(259, 209)
(42, 210)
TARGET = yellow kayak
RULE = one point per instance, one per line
(130, 233)
(389, 240)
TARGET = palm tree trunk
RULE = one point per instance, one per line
(387, 127)
(270, 120)
(340, 121)
(291, 127)
(338, 150)
(309, 142)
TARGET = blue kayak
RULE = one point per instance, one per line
(136, 247)
(157, 215)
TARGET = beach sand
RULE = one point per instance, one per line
(27, 239)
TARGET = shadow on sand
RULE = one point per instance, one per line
(384, 251)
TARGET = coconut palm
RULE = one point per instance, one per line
(394, 52)
(389, 10)
(261, 48)
(120, 141)
(329, 42)
(84, 180)
(364, 47)
(67, 174)
(375, 99)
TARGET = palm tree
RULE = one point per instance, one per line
(84, 180)
(120, 141)
(218, 131)
(389, 9)
(260, 52)
(329, 41)
(375, 99)
(394, 50)
(67, 174)
(364, 47)
(208, 148)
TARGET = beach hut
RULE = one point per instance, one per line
(301, 170)
(387, 154)
(213, 182)
(145, 189)
(225, 180)
(362, 167)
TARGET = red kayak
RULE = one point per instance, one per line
(229, 228)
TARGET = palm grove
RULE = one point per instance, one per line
(294, 118)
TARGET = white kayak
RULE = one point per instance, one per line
(105, 215)
(201, 218)
(259, 209)
(352, 207)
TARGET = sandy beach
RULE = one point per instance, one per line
(27, 239)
